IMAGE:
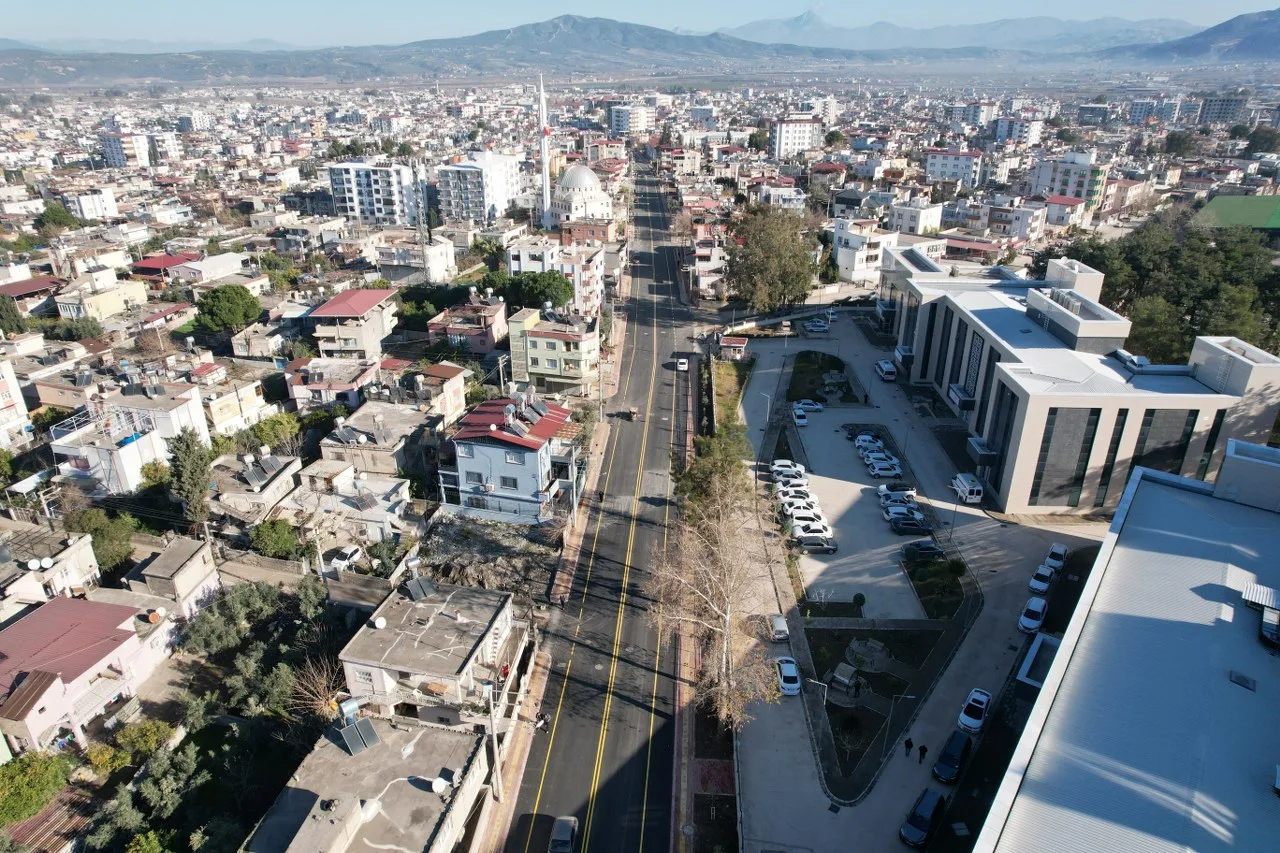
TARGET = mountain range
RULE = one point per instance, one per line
(576, 45)
(1038, 33)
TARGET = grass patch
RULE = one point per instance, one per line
(938, 588)
(711, 738)
(807, 381)
(854, 729)
(715, 821)
(731, 379)
(827, 645)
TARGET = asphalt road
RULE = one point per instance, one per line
(608, 756)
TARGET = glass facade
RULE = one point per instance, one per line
(1104, 481)
(1163, 439)
(1210, 445)
(1064, 456)
(943, 341)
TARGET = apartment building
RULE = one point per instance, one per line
(105, 446)
(125, 150)
(1223, 109)
(949, 164)
(555, 354)
(16, 430)
(793, 135)
(479, 325)
(1011, 216)
(1058, 412)
(1061, 211)
(1019, 131)
(100, 297)
(353, 323)
(319, 383)
(196, 122)
(628, 119)
(582, 265)
(404, 259)
(1094, 115)
(858, 244)
(512, 460)
(480, 188)
(94, 204)
(374, 193)
(233, 405)
(1076, 174)
(38, 564)
(917, 216)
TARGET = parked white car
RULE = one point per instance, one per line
(883, 469)
(1032, 615)
(793, 493)
(892, 499)
(900, 489)
(788, 676)
(867, 442)
(788, 481)
(801, 419)
(974, 713)
(807, 405)
(817, 326)
(682, 364)
(880, 456)
(785, 466)
(791, 508)
(809, 516)
(812, 528)
(1057, 556)
(346, 559)
(1041, 580)
(892, 512)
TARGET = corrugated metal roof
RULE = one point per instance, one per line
(1261, 596)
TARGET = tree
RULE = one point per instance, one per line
(11, 320)
(279, 430)
(147, 842)
(142, 740)
(702, 584)
(770, 264)
(315, 684)
(229, 308)
(55, 219)
(1179, 143)
(6, 466)
(404, 149)
(112, 537)
(834, 139)
(154, 474)
(537, 289)
(274, 539)
(106, 759)
(665, 138)
(1068, 136)
(1263, 140)
(29, 782)
(758, 140)
(1238, 131)
(190, 470)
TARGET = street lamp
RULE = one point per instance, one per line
(889, 725)
(821, 684)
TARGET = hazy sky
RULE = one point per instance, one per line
(315, 22)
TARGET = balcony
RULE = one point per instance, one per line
(904, 355)
(960, 397)
(980, 452)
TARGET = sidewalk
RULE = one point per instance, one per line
(498, 816)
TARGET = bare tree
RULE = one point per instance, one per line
(315, 684)
(702, 585)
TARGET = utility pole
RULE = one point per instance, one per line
(497, 757)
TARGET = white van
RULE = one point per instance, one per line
(968, 488)
(886, 370)
(778, 628)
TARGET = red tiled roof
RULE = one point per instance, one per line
(164, 262)
(394, 364)
(827, 166)
(165, 312)
(354, 303)
(19, 289)
(66, 636)
(1063, 199)
(732, 341)
(205, 369)
(443, 371)
(488, 420)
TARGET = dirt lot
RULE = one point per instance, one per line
(491, 555)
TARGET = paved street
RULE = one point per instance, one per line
(782, 801)
(608, 756)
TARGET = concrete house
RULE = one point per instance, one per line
(38, 564)
(554, 354)
(315, 383)
(479, 325)
(353, 323)
(183, 572)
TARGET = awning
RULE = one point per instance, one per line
(1257, 595)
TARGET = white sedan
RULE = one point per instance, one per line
(974, 713)
(789, 481)
(781, 467)
(791, 495)
(788, 676)
(883, 469)
(892, 512)
(807, 405)
(870, 456)
(812, 529)
(1032, 615)
(801, 419)
(682, 364)
(799, 505)
(1041, 580)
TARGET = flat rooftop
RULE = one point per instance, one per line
(398, 422)
(434, 635)
(1140, 741)
(170, 561)
(394, 776)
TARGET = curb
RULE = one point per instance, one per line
(520, 738)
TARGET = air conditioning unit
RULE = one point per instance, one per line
(488, 487)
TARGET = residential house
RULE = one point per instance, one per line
(246, 488)
(479, 325)
(337, 505)
(184, 573)
(917, 216)
(100, 297)
(158, 268)
(554, 354)
(321, 382)
(589, 232)
(16, 430)
(858, 246)
(38, 563)
(32, 294)
(209, 268)
(583, 266)
(953, 165)
(105, 446)
(512, 460)
(71, 661)
(233, 405)
(379, 438)
(353, 323)
(1061, 211)
(402, 259)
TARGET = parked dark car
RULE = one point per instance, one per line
(924, 818)
(923, 551)
(909, 526)
(955, 755)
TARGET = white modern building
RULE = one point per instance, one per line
(1058, 411)
(628, 119)
(917, 216)
(795, 134)
(582, 265)
(479, 189)
(1076, 174)
(374, 193)
(1020, 131)
(126, 150)
(859, 245)
(98, 203)
(949, 164)
(1154, 728)
(15, 424)
(578, 195)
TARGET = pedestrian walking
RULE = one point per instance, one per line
(866, 399)
(924, 750)
(908, 744)
(564, 596)
(857, 689)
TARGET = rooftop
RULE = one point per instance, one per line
(354, 303)
(1140, 740)
(488, 420)
(66, 636)
(436, 635)
(393, 777)
(170, 561)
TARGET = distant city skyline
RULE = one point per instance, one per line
(314, 23)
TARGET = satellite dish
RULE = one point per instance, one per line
(364, 475)
(46, 562)
(380, 622)
(439, 785)
(33, 564)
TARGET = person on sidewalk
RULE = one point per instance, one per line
(907, 744)
(924, 750)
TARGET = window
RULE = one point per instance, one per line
(1210, 444)
(553, 364)
(466, 451)
(508, 482)
(533, 344)
(1104, 481)
(475, 478)
(533, 362)
(551, 346)
(515, 457)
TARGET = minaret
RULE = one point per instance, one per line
(544, 143)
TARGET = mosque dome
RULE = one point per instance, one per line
(578, 177)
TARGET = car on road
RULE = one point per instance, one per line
(954, 756)
(788, 676)
(1041, 580)
(807, 405)
(682, 364)
(974, 713)
(817, 326)
(924, 818)
(901, 512)
(886, 370)
(801, 419)
(778, 630)
(896, 489)
(923, 551)
(1032, 615)
(812, 528)
(816, 544)
(910, 526)
(1057, 556)
(869, 456)
(884, 469)
(564, 833)
(783, 466)
(346, 559)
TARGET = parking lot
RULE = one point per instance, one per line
(868, 560)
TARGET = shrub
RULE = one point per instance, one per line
(29, 782)
(274, 539)
(141, 740)
(956, 567)
(105, 759)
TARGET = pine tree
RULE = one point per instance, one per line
(190, 469)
